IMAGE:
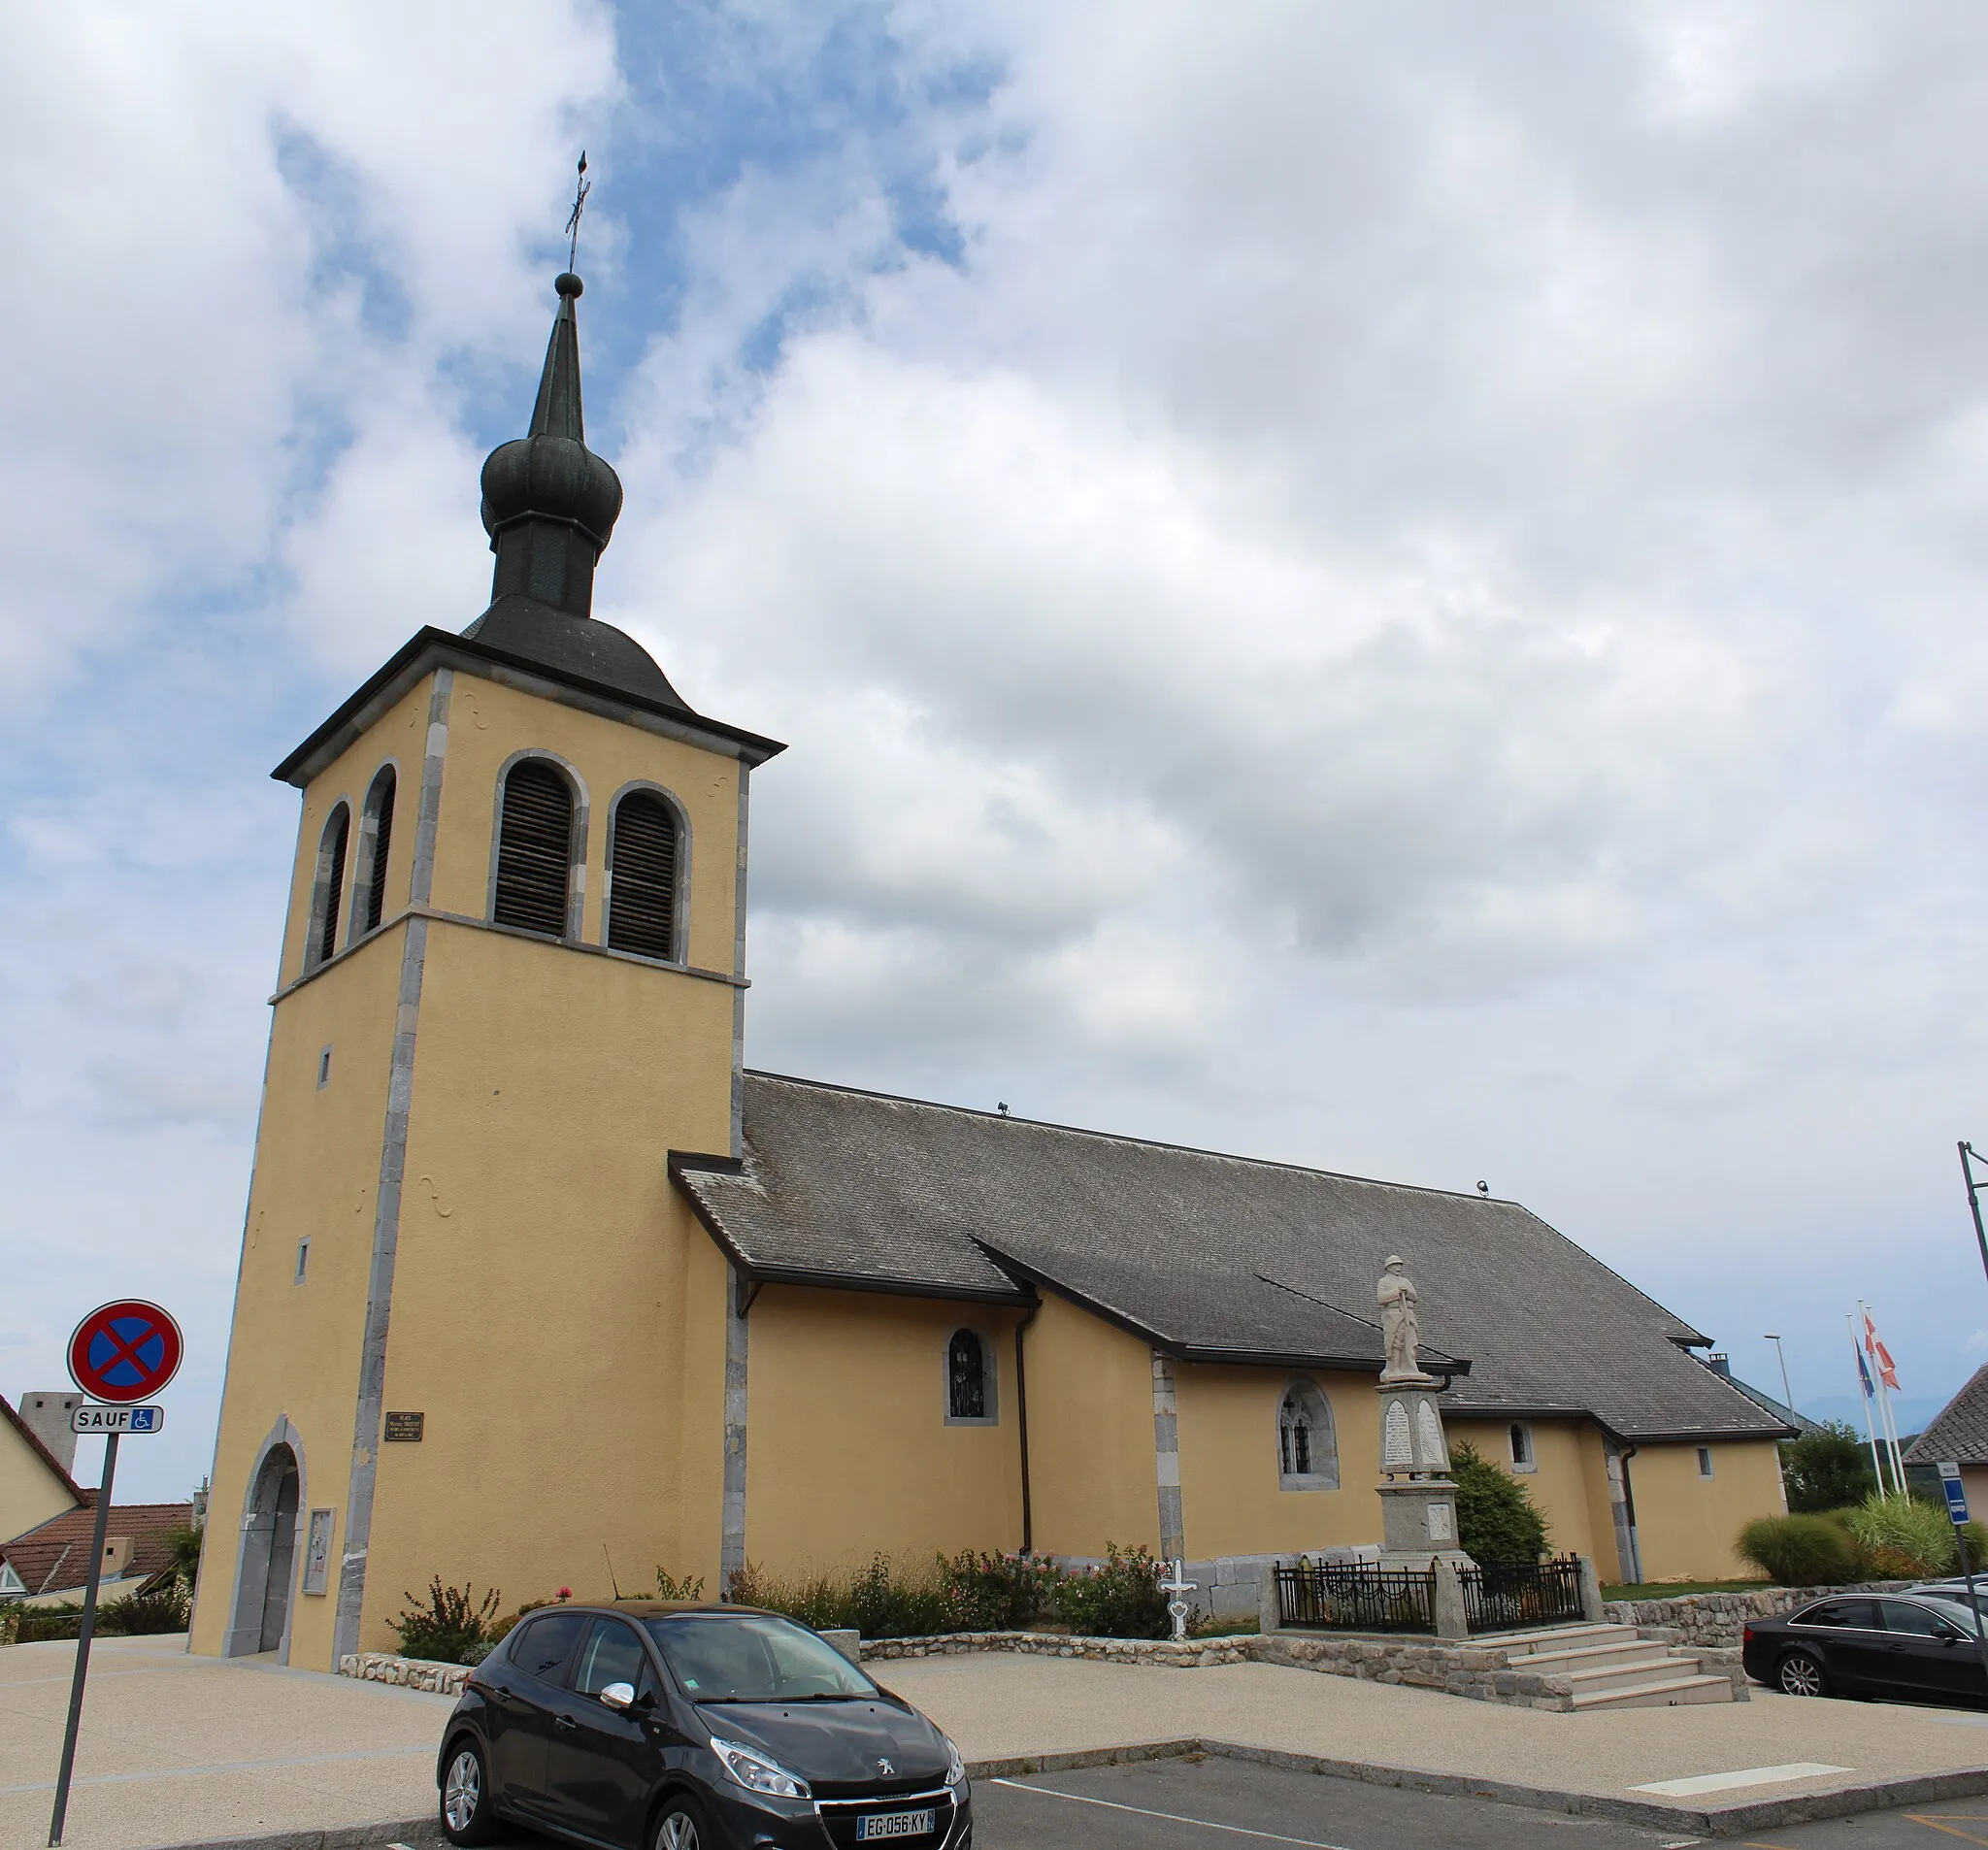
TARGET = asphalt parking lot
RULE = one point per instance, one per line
(1211, 1803)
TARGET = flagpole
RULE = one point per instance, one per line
(1864, 1397)
(1891, 1430)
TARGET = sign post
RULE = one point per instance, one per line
(1957, 1509)
(119, 1353)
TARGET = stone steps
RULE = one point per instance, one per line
(1611, 1666)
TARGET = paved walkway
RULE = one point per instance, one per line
(178, 1749)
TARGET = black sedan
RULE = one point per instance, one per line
(651, 1725)
(1860, 1645)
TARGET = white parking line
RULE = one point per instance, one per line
(1168, 1817)
(1748, 1776)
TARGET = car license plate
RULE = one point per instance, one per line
(893, 1823)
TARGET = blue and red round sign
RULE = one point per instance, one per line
(124, 1351)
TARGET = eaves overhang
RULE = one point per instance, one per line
(430, 648)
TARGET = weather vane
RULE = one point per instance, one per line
(580, 192)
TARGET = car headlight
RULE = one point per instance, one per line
(955, 1768)
(758, 1771)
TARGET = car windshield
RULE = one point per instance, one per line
(754, 1658)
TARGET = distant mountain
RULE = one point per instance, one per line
(1913, 1412)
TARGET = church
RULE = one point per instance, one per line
(538, 1277)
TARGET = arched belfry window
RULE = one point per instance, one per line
(327, 886)
(534, 849)
(969, 1380)
(645, 858)
(376, 849)
(1307, 1452)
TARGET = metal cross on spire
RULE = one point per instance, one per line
(579, 194)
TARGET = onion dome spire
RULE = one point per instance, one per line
(549, 506)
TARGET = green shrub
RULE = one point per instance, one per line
(1901, 1538)
(451, 1627)
(1118, 1598)
(184, 1544)
(1497, 1522)
(148, 1612)
(881, 1601)
(1800, 1551)
(41, 1623)
(669, 1587)
(996, 1593)
(1825, 1469)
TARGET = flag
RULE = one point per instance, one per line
(1887, 1369)
(1863, 1373)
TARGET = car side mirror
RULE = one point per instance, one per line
(619, 1696)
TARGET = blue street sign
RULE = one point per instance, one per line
(1956, 1497)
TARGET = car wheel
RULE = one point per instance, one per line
(1800, 1674)
(466, 1815)
(681, 1826)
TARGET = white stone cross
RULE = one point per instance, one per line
(1178, 1608)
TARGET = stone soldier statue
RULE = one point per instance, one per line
(1400, 1328)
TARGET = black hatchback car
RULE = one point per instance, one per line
(649, 1725)
(1860, 1645)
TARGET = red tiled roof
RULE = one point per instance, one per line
(46, 1457)
(56, 1555)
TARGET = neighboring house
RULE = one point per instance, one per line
(537, 1277)
(1722, 1366)
(1958, 1436)
(52, 1561)
(34, 1486)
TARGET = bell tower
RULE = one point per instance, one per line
(511, 979)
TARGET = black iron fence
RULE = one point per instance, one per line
(1354, 1597)
(1540, 1592)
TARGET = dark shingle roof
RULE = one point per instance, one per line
(1205, 1255)
(1958, 1432)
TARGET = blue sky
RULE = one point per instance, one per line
(1394, 591)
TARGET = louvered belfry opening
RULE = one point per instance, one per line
(641, 894)
(533, 849)
(331, 875)
(383, 788)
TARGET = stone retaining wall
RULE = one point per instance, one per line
(1477, 1672)
(1718, 1619)
(411, 1673)
(1194, 1654)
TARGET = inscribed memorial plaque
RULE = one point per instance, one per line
(405, 1428)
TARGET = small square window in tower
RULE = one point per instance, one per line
(641, 877)
(533, 849)
(965, 1375)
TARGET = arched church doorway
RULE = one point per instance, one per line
(269, 1542)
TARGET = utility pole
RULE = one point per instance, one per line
(1787, 1393)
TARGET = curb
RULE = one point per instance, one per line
(1728, 1821)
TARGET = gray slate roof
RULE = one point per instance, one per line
(1958, 1432)
(1208, 1257)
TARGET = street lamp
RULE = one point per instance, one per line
(1787, 1393)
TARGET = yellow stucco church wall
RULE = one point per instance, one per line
(539, 1295)
(850, 1453)
(1559, 1484)
(1232, 1502)
(1687, 1523)
(1090, 1434)
(294, 1349)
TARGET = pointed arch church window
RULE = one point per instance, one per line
(643, 857)
(1307, 1452)
(966, 1373)
(533, 849)
(376, 846)
(328, 885)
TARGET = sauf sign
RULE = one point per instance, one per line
(121, 1353)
